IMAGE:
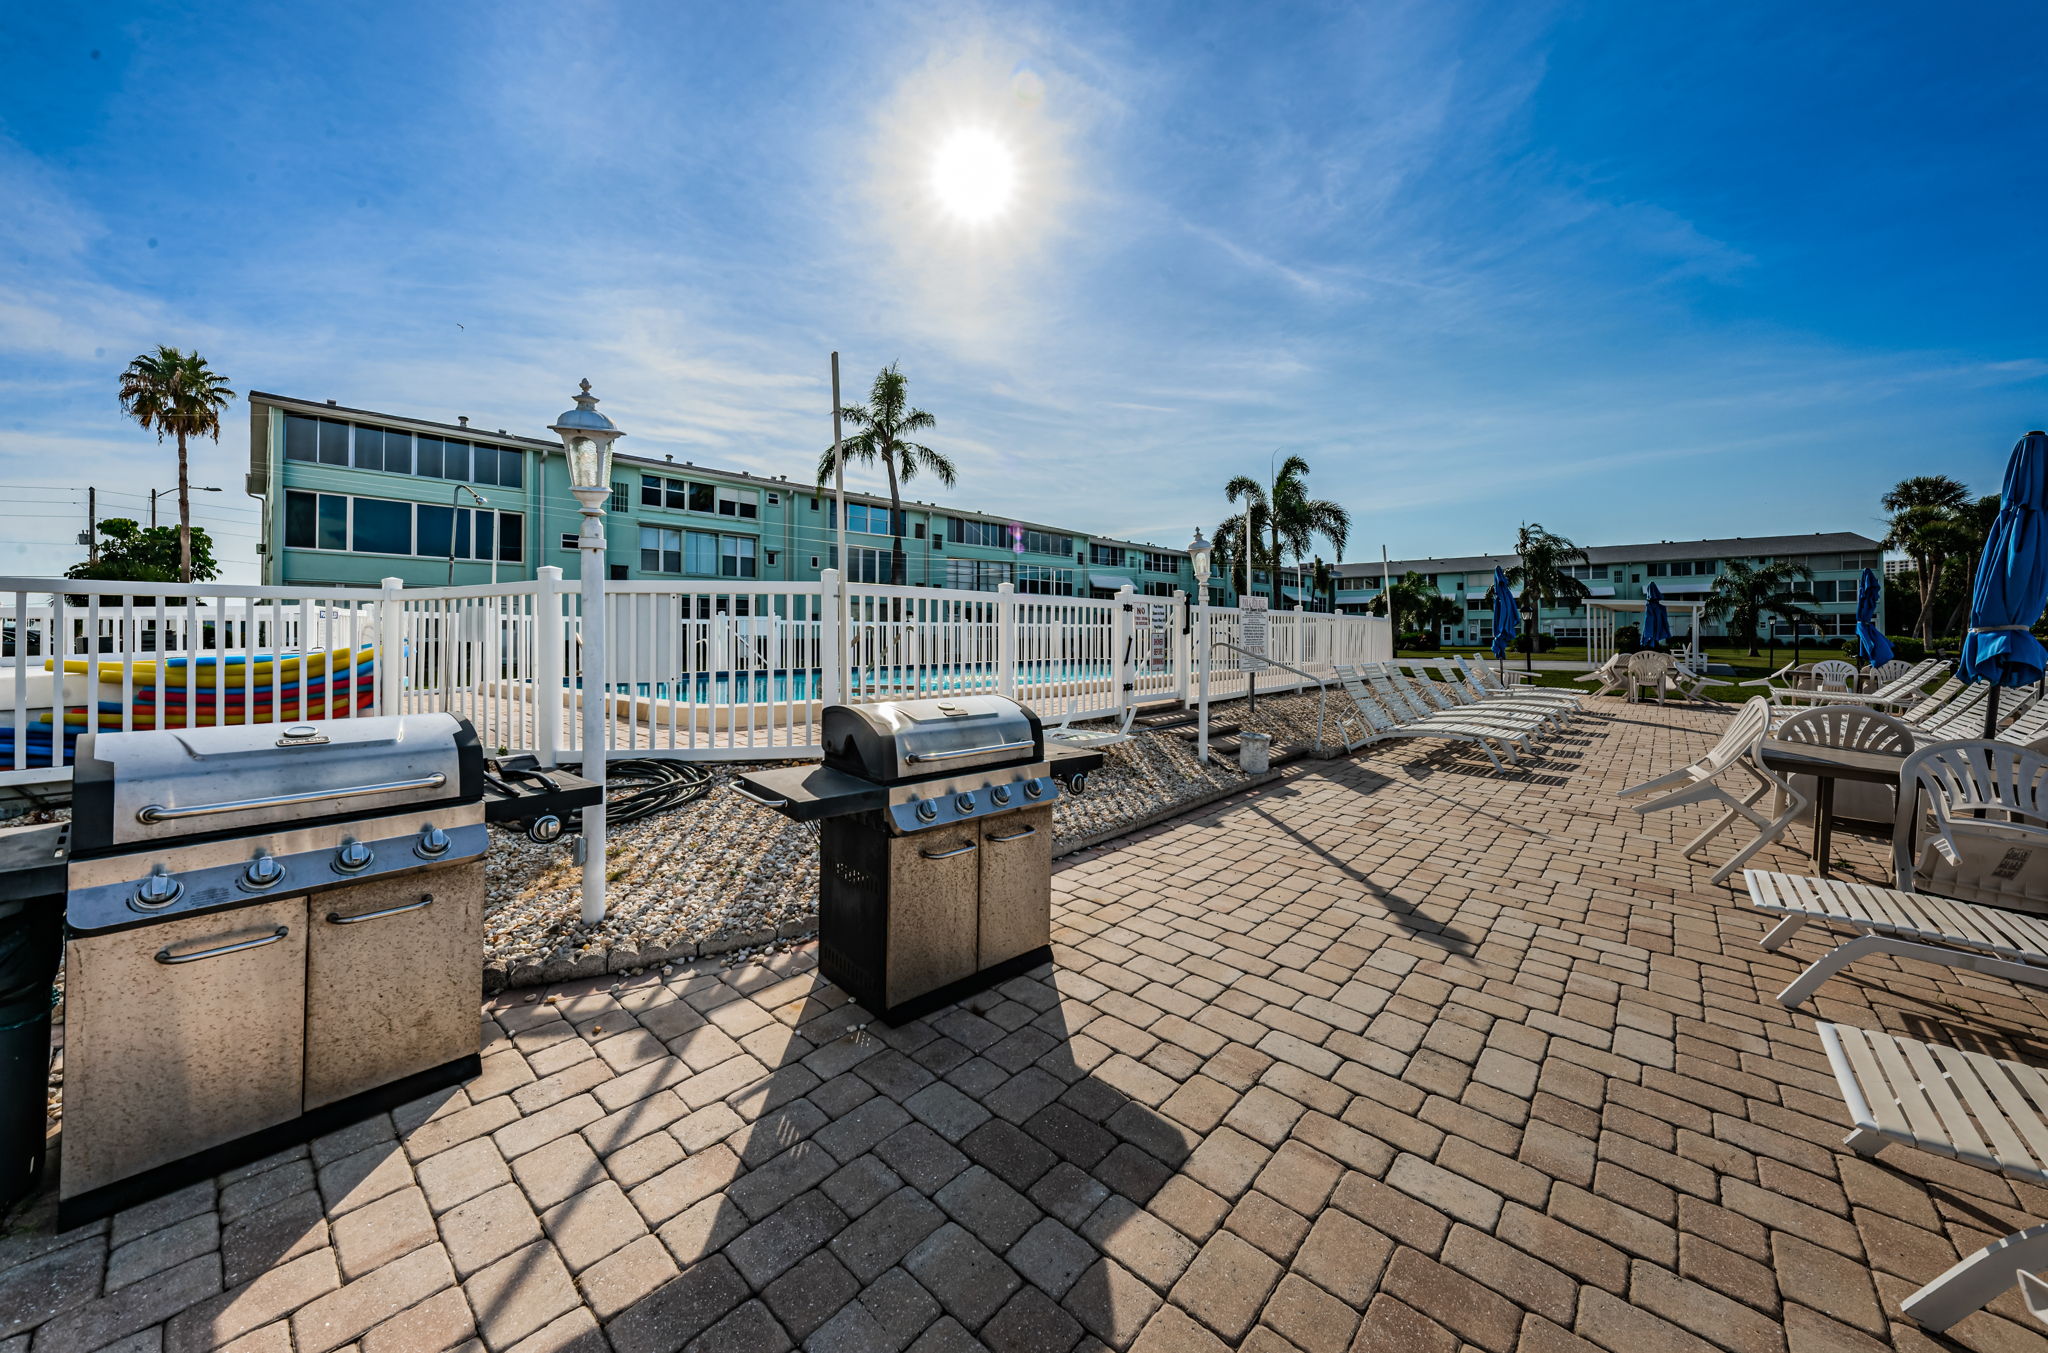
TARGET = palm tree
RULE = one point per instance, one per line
(175, 392)
(1976, 520)
(885, 420)
(1235, 536)
(1297, 519)
(1416, 603)
(1743, 592)
(1545, 576)
(1924, 524)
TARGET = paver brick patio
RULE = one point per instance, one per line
(1389, 1055)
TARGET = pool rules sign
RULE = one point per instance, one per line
(1251, 634)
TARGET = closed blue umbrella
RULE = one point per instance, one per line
(1507, 617)
(1656, 620)
(2012, 582)
(1871, 645)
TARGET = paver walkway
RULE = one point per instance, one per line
(1396, 1056)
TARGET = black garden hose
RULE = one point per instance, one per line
(638, 789)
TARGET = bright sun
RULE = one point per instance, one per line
(974, 175)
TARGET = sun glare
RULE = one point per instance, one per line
(974, 175)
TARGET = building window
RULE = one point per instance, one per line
(992, 535)
(864, 565)
(661, 550)
(1588, 572)
(700, 553)
(1039, 580)
(1105, 556)
(1160, 589)
(622, 497)
(739, 503)
(861, 519)
(335, 521)
(977, 575)
(1156, 562)
(736, 557)
(1045, 542)
(569, 541)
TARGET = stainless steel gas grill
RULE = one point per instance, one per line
(271, 931)
(935, 840)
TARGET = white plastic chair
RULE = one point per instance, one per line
(1987, 805)
(1696, 783)
(1649, 668)
(1833, 676)
(1608, 676)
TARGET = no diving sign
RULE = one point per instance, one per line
(1252, 635)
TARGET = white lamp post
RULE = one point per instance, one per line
(587, 438)
(1199, 554)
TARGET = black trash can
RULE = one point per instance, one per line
(31, 945)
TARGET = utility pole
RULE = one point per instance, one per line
(92, 525)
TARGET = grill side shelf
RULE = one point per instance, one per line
(811, 792)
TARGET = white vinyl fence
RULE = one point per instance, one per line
(702, 670)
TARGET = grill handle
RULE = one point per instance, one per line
(765, 802)
(167, 957)
(1016, 835)
(959, 752)
(949, 854)
(157, 812)
(336, 918)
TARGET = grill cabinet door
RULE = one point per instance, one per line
(1016, 884)
(933, 878)
(165, 1059)
(393, 994)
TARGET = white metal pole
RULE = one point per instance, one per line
(548, 678)
(595, 709)
(1202, 672)
(841, 598)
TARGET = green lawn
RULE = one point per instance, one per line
(1745, 667)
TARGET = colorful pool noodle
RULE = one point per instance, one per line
(216, 672)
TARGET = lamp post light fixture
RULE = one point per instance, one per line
(155, 494)
(1200, 552)
(587, 438)
(454, 504)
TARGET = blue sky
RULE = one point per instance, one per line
(1633, 271)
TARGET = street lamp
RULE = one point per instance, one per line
(155, 494)
(1200, 552)
(454, 503)
(587, 438)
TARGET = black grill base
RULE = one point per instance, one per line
(959, 991)
(168, 1178)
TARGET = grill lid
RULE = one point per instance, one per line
(905, 740)
(131, 789)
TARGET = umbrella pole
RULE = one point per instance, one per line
(1991, 716)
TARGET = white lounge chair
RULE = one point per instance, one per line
(1067, 735)
(1385, 727)
(1696, 783)
(1407, 701)
(1982, 1110)
(1485, 682)
(1988, 940)
(1896, 692)
(1972, 899)
(1449, 694)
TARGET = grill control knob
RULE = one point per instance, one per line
(158, 890)
(263, 871)
(1001, 794)
(965, 803)
(927, 810)
(1034, 788)
(432, 845)
(353, 858)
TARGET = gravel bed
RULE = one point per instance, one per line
(725, 876)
